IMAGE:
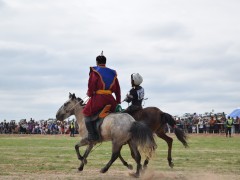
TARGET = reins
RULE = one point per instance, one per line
(81, 101)
(144, 101)
(74, 106)
(96, 147)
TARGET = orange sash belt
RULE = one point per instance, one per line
(101, 91)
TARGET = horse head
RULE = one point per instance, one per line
(67, 109)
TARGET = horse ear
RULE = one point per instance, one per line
(70, 95)
(73, 96)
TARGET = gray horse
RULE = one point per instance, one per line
(120, 128)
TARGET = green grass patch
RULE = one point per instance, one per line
(53, 154)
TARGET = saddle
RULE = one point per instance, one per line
(99, 117)
(105, 111)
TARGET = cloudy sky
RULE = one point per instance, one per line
(188, 52)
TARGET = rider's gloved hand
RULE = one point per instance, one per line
(128, 98)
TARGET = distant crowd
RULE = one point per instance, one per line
(206, 123)
(190, 123)
(50, 126)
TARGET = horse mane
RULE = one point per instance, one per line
(81, 102)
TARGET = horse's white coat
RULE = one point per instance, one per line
(115, 126)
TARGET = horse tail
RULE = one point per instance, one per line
(142, 136)
(181, 136)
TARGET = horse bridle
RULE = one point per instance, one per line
(81, 102)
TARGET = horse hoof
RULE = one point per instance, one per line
(135, 175)
(103, 170)
(171, 165)
(80, 168)
(144, 169)
(130, 167)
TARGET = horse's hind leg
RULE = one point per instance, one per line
(145, 163)
(137, 157)
(169, 141)
(129, 166)
(115, 154)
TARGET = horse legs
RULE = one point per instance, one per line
(145, 163)
(137, 157)
(129, 166)
(83, 142)
(115, 154)
(77, 152)
(169, 141)
(83, 160)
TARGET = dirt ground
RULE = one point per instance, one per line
(119, 175)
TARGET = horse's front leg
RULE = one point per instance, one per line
(84, 157)
(83, 142)
(78, 152)
(83, 160)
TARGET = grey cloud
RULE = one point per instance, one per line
(29, 70)
(185, 66)
(2, 4)
(172, 30)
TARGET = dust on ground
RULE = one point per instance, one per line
(94, 174)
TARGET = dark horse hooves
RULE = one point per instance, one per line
(80, 168)
(130, 167)
(103, 170)
(135, 175)
(171, 164)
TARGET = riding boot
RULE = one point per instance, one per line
(92, 135)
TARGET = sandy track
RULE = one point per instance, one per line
(120, 175)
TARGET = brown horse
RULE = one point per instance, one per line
(157, 120)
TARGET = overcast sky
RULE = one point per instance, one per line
(188, 52)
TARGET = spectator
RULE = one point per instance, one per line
(1, 127)
(5, 127)
(207, 124)
(52, 128)
(200, 125)
(41, 128)
(212, 124)
(72, 129)
(229, 124)
(237, 124)
(62, 127)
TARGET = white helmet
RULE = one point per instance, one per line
(137, 79)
